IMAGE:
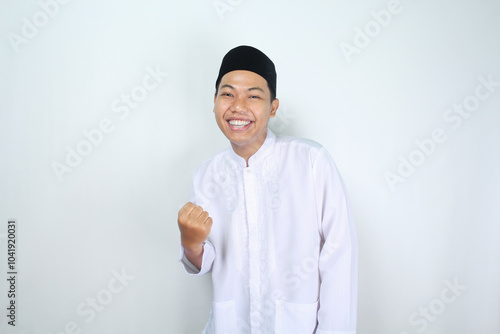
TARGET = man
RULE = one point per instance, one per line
(269, 218)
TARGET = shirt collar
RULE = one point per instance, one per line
(257, 156)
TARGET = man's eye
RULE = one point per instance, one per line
(226, 94)
(255, 97)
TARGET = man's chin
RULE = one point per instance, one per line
(238, 136)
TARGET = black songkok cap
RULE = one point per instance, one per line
(250, 59)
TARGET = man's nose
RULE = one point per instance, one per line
(240, 105)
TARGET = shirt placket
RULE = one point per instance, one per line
(254, 249)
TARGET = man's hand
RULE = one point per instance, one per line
(195, 225)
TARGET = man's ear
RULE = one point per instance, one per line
(274, 107)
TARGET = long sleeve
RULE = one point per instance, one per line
(207, 260)
(338, 256)
(208, 250)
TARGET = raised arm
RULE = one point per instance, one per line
(194, 225)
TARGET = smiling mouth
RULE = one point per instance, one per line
(238, 123)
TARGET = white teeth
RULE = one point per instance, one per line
(239, 123)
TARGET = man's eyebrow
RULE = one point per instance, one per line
(256, 88)
(249, 89)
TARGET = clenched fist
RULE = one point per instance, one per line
(195, 225)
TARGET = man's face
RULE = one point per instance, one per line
(242, 109)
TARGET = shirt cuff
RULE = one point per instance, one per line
(206, 262)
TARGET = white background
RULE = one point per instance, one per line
(117, 209)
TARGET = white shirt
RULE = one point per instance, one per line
(282, 250)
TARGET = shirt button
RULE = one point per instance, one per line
(248, 171)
